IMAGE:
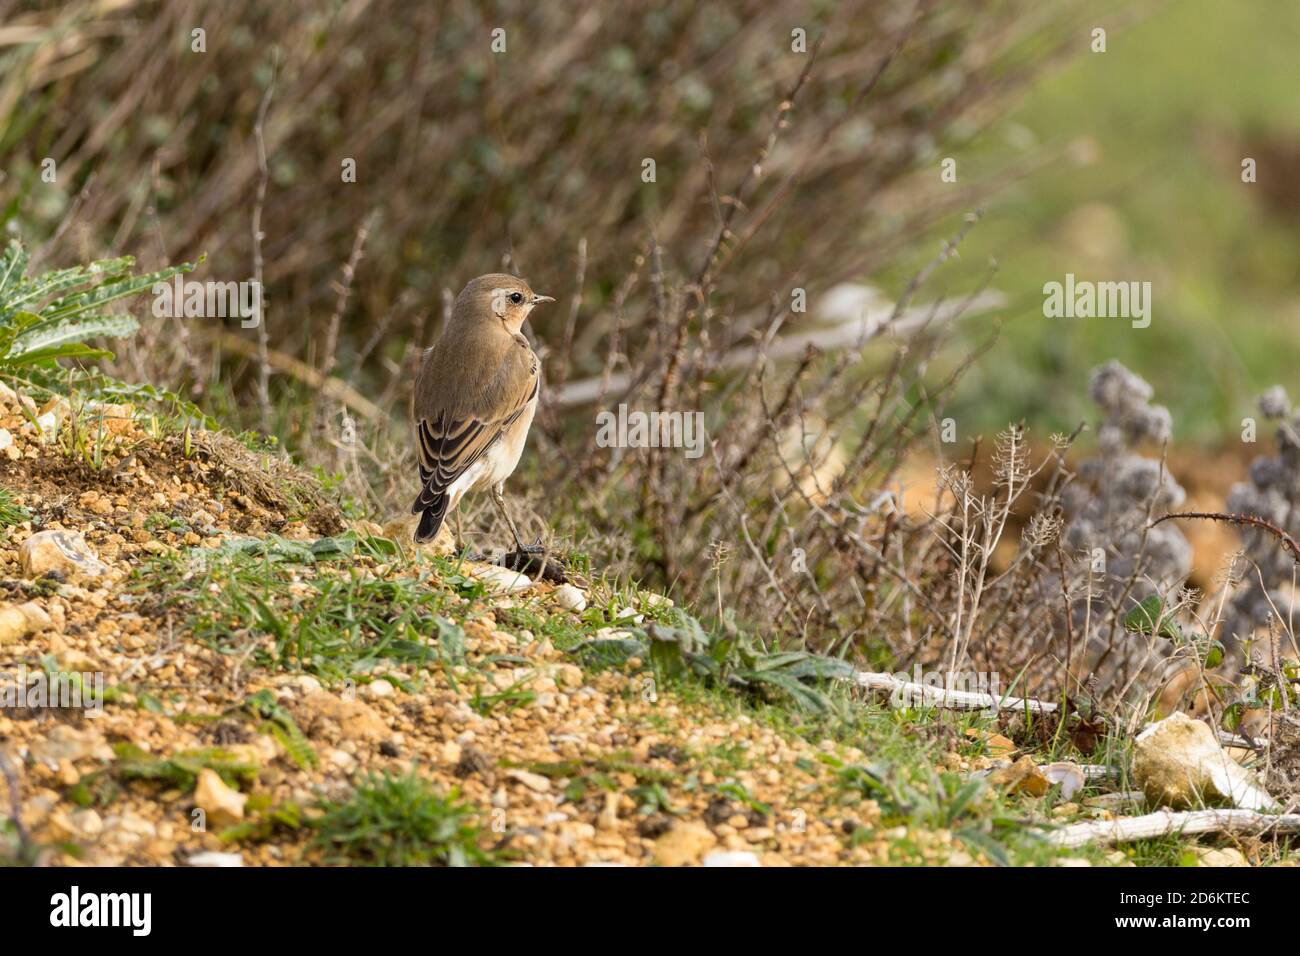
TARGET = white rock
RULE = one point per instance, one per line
(503, 579)
(307, 684)
(342, 759)
(1069, 775)
(6, 439)
(1178, 763)
(48, 424)
(88, 822)
(379, 688)
(571, 598)
(730, 858)
(216, 859)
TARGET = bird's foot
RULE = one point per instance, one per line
(535, 560)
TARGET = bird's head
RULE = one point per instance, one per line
(498, 297)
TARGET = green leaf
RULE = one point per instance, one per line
(111, 291)
(451, 641)
(1149, 618)
(67, 350)
(805, 697)
(1232, 716)
(50, 332)
(13, 264)
(60, 280)
(1214, 657)
(962, 799)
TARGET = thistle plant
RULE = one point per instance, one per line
(1273, 494)
(1110, 506)
(1126, 563)
(54, 315)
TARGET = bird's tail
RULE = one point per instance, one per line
(431, 514)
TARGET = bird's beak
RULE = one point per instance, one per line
(542, 298)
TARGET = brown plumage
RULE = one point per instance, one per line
(475, 396)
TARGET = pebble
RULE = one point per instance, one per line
(533, 781)
(570, 598)
(60, 551)
(17, 621)
(685, 844)
(216, 859)
(503, 579)
(222, 805)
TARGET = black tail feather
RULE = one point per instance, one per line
(431, 519)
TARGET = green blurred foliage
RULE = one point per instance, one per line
(1147, 187)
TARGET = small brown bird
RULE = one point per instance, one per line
(475, 396)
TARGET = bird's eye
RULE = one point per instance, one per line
(516, 297)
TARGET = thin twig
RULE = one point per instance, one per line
(264, 176)
(1166, 823)
(1253, 521)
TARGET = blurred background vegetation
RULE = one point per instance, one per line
(1151, 136)
(1117, 165)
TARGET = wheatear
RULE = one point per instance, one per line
(475, 397)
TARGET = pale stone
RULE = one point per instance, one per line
(223, 806)
(730, 858)
(19, 620)
(533, 781)
(63, 551)
(503, 579)
(356, 719)
(1178, 763)
(216, 859)
(1212, 856)
(570, 598)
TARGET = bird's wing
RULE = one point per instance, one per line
(450, 440)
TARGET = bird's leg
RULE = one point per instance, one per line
(528, 559)
(499, 499)
(455, 530)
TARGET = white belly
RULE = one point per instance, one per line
(498, 462)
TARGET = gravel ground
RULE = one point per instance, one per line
(557, 772)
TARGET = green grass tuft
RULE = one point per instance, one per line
(399, 821)
(11, 513)
(335, 620)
